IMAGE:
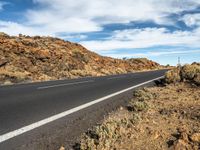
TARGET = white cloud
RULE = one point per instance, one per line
(53, 17)
(76, 36)
(192, 19)
(144, 38)
(150, 54)
(70, 16)
(97, 13)
(112, 11)
(14, 28)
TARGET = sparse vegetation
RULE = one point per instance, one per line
(138, 106)
(173, 76)
(162, 118)
(13, 76)
(80, 56)
(186, 73)
(110, 132)
(143, 95)
(189, 72)
(47, 58)
(116, 126)
(197, 79)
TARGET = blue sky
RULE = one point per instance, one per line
(161, 30)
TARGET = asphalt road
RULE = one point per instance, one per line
(24, 105)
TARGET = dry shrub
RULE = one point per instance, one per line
(116, 126)
(197, 79)
(109, 132)
(143, 95)
(172, 76)
(139, 103)
(80, 56)
(189, 72)
(13, 76)
(138, 106)
(79, 73)
(186, 73)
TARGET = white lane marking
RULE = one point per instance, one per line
(30, 127)
(116, 77)
(58, 85)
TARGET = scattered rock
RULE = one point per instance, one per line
(182, 145)
(62, 148)
(184, 136)
(195, 137)
(3, 62)
(7, 82)
(155, 135)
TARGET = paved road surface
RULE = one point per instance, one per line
(28, 106)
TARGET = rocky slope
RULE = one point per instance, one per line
(28, 59)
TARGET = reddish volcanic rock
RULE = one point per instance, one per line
(25, 59)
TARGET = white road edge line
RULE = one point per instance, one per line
(30, 127)
(59, 85)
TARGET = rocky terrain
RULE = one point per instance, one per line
(30, 59)
(166, 117)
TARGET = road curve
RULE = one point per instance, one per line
(25, 107)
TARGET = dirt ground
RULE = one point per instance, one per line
(158, 118)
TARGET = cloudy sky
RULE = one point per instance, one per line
(161, 30)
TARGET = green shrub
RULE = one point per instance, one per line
(135, 118)
(138, 106)
(143, 95)
(103, 136)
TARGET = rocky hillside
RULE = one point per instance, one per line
(28, 59)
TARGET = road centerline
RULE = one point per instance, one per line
(116, 77)
(40, 123)
(64, 84)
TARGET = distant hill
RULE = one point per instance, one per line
(29, 59)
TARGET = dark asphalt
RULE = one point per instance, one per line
(22, 105)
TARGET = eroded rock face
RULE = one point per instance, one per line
(25, 58)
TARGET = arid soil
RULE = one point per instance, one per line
(29, 59)
(166, 117)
